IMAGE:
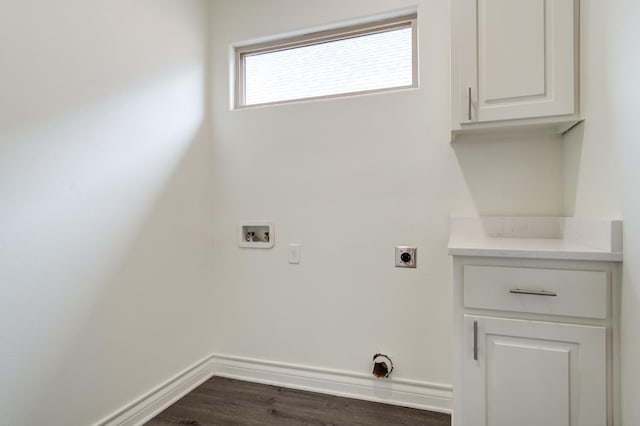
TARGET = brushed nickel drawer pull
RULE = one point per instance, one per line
(533, 292)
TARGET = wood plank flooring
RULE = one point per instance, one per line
(221, 401)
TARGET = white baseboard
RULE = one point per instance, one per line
(151, 404)
(406, 393)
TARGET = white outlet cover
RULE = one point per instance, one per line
(411, 251)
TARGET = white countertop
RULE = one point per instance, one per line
(534, 248)
(536, 239)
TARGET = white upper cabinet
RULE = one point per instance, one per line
(514, 60)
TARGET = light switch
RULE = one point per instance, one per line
(294, 253)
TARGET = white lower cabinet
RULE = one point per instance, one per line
(535, 342)
(533, 373)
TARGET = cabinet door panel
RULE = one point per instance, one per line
(531, 373)
(528, 384)
(510, 28)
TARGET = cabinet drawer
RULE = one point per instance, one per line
(540, 291)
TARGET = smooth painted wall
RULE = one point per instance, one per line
(105, 211)
(602, 157)
(349, 179)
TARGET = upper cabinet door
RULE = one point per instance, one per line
(516, 59)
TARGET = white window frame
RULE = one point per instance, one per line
(318, 37)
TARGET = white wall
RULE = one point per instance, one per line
(105, 213)
(602, 173)
(349, 179)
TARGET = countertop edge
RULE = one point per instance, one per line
(537, 254)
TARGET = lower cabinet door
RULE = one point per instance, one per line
(533, 373)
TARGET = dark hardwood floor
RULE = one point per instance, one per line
(221, 401)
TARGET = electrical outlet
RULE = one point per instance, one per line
(406, 257)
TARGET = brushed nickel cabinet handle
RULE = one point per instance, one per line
(475, 340)
(533, 292)
(469, 104)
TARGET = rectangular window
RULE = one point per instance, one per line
(377, 56)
